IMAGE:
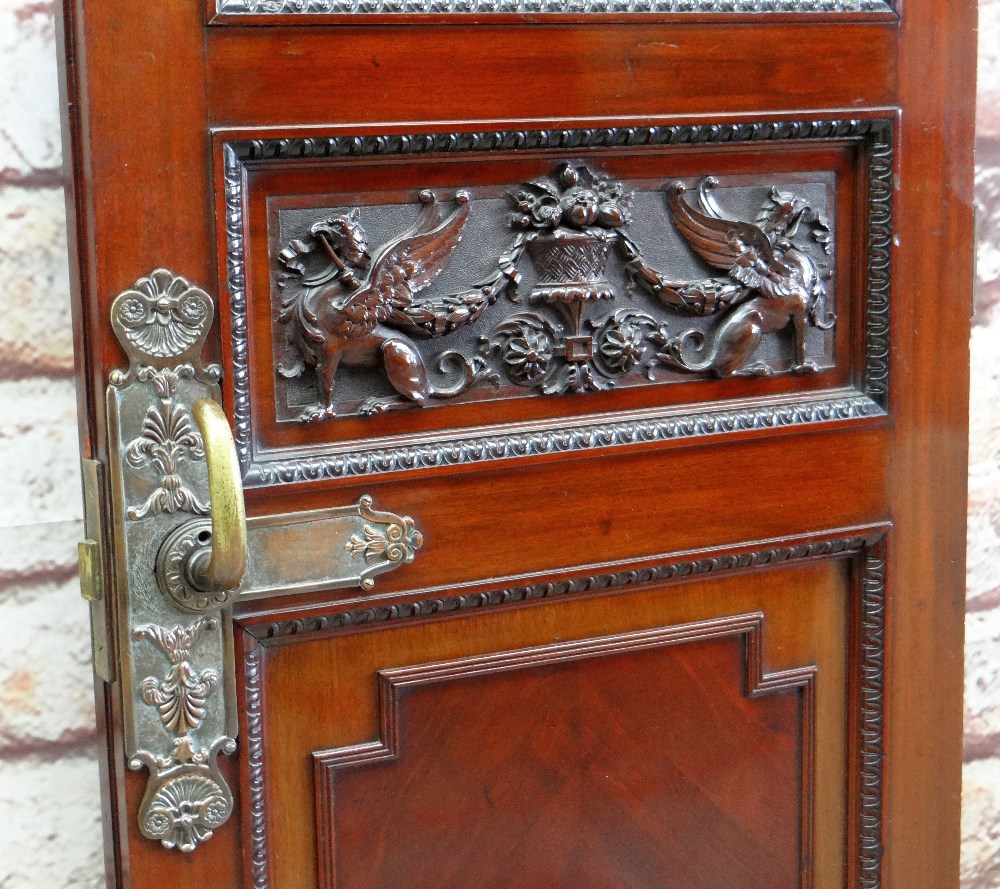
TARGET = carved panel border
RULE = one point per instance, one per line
(872, 728)
(756, 684)
(580, 433)
(867, 614)
(342, 8)
(254, 811)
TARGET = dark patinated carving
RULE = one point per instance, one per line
(771, 282)
(355, 310)
(341, 300)
(571, 222)
(875, 140)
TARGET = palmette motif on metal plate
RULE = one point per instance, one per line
(177, 676)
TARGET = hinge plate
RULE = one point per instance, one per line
(92, 578)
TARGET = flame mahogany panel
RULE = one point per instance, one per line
(615, 761)
(371, 736)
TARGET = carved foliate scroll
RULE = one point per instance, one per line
(761, 304)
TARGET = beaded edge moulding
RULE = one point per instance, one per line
(869, 399)
(547, 7)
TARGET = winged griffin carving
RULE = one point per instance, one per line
(771, 283)
(354, 306)
(361, 309)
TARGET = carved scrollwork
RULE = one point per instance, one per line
(395, 543)
(347, 304)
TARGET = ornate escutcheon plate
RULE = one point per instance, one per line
(175, 643)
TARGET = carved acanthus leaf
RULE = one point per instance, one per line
(181, 694)
(568, 223)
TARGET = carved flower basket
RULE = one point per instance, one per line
(571, 264)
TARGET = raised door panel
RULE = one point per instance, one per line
(588, 730)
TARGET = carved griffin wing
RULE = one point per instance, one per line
(740, 248)
(403, 267)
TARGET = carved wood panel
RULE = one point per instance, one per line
(521, 277)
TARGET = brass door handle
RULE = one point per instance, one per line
(176, 491)
(202, 562)
(220, 565)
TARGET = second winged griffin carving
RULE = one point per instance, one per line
(344, 304)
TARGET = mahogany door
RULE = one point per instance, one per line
(594, 378)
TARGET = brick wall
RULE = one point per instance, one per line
(51, 835)
(51, 830)
(981, 782)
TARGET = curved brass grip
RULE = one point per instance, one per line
(220, 566)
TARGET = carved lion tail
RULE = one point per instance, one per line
(673, 353)
(301, 333)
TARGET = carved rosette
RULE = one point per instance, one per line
(175, 675)
(348, 304)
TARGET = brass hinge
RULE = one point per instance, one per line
(91, 570)
(92, 580)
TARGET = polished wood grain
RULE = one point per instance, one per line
(152, 90)
(615, 758)
(333, 679)
(929, 440)
(536, 72)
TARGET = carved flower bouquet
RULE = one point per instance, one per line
(573, 221)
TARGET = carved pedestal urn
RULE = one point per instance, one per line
(573, 221)
(571, 265)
